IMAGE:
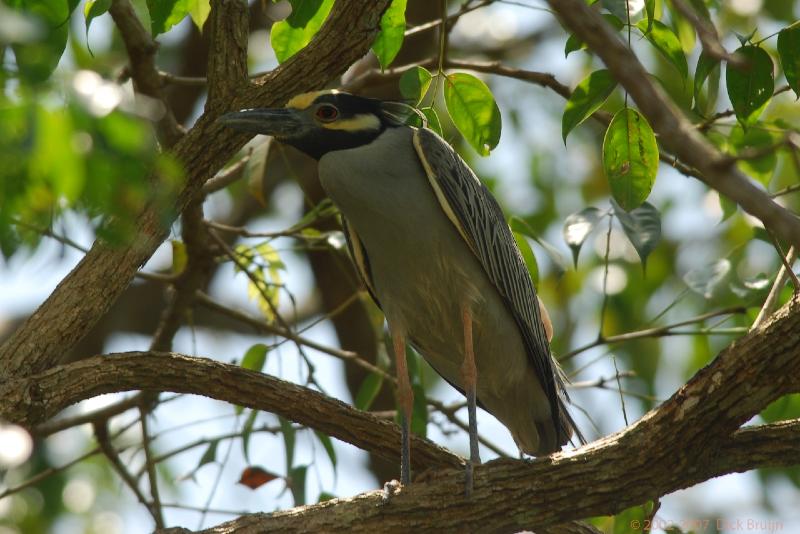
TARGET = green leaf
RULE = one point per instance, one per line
(650, 9)
(761, 168)
(667, 43)
(288, 432)
(632, 519)
(325, 496)
(789, 54)
(414, 83)
(744, 39)
(784, 408)
(93, 9)
(297, 483)
(433, 120)
(587, 98)
(708, 68)
(164, 14)
(577, 227)
(210, 455)
(642, 226)
(368, 390)
(473, 110)
(53, 161)
(328, 445)
(37, 60)
(390, 38)
(247, 431)
(630, 158)
(292, 35)
(575, 43)
(728, 206)
(705, 280)
(683, 29)
(255, 357)
(527, 255)
(750, 88)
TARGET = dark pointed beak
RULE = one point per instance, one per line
(280, 123)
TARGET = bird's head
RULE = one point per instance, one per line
(322, 121)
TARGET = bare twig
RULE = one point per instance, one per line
(786, 190)
(103, 414)
(105, 445)
(150, 464)
(601, 382)
(227, 176)
(660, 331)
(780, 280)
(708, 36)
(451, 19)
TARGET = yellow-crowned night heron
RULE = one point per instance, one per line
(432, 247)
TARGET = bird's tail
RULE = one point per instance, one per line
(566, 424)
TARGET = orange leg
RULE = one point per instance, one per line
(469, 370)
(405, 398)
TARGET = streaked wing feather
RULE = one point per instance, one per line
(360, 259)
(480, 221)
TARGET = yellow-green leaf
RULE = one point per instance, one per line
(474, 112)
(199, 10)
(414, 83)
(93, 9)
(667, 43)
(393, 28)
(292, 35)
(630, 158)
(179, 256)
(433, 120)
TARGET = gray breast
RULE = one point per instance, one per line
(422, 272)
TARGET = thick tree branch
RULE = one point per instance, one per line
(93, 285)
(33, 399)
(690, 438)
(676, 133)
(515, 495)
(227, 65)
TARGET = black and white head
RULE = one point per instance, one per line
(323, 121)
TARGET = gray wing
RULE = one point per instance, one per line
(478, 218)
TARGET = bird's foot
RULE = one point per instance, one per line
(468, 483)
(389, 490)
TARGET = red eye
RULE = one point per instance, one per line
(327, 113)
